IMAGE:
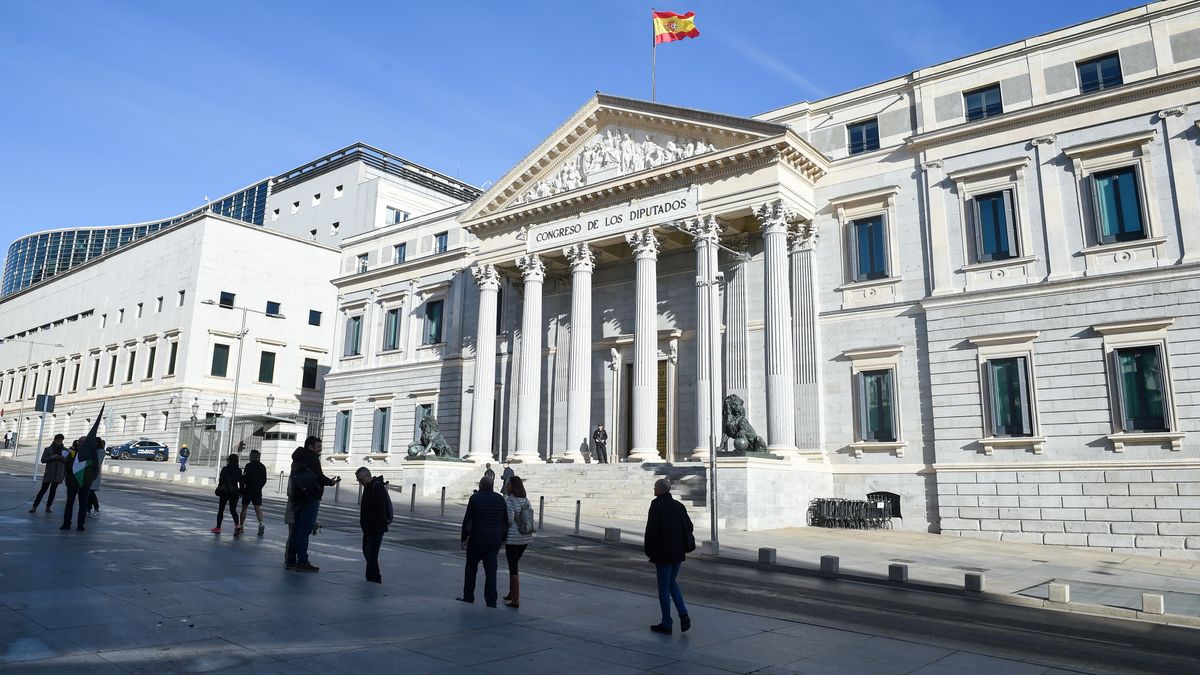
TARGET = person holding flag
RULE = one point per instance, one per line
(82, 468)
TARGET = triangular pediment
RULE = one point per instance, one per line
(609, 138)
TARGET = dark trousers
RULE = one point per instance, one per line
(72, 494)
(513, 553)
(372, 541)
(232, 501)
(602, 453)
(93, 502)
(306, 520)
(488, 555)
(53, 487)
(668, 590)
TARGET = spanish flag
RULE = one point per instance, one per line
(669, 26)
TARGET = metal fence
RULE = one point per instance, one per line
(209, 445)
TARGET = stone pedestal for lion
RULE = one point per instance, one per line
(756, 493)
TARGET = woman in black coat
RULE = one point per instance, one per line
(667, 542)
(228, 486)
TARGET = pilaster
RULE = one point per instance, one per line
(939, 240)
(1177, 128)
(1058, 256)
(810, 423)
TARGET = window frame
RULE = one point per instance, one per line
(343, 420)
(262, 359)
(381, 430)
(862, 363)
(1133, 334)
(223, 304)
(318, 314)
(856, 272)
(1011, 227)
(355, 320)
(986, 112)
(399, 253)
(362, 263)
(212, 366)
(393, 335)
(316, 373)
(866, 142)
(426, 337)
(1098, 215)
(1100, 82)
(441, 242)
(278, 308)
(1100, 157)
(999, 346)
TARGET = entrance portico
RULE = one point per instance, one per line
(594, 210)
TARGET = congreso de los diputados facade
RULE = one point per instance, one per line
(971, 291)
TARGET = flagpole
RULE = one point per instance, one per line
(653, 57)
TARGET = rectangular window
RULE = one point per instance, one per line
(1117, 204)
(876, 406)
(95, 372)
(103, 320)
(1141, 391)
(353, 336)
(33, 389)
(399, 253)
(273, 308)
(983, 103)
(391, 329)
(308, 379)
(362, 263)
(62, 378)
(441, 242)
(171, 358)
(395, 215)
(220, 361)
(75, 379)
(158, 302)
(266, 368)
(864, 136)
(121, 315)
(139, 310)
(380, 430)
(150, 362)
(314, 317)
(179, 302)
(1102, 72)
(995, 226)
(341, 432)
(112, 369)
(868, 242)
(433, 322)
(1006, 382)
(227, 299)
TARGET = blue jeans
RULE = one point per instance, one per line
(668, 590)
(306, 520)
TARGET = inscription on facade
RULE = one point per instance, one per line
(614, 220)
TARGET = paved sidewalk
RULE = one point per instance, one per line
(147, 590)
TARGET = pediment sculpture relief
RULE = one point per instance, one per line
(614, 152)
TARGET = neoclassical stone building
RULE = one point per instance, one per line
(971, 287)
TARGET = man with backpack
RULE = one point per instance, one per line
(306, 486)
(374, 516)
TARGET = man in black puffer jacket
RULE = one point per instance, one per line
(484, 529)
(306, 470)
(667, 541)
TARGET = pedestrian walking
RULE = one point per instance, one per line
(520, 535)
(506, 476)
(56, 469)
(7, 439)
(488, 473)
(600, 442)
(484, 529)
(184, 453)
(667, 541)
(306, 486)
(93, 500)
(254, 477)
(374, 516)
(228, 487)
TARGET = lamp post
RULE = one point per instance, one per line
(20, 416)
(270, 402)
(237, 375)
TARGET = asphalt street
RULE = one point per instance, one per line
(148, 589)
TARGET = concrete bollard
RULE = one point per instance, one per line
(541, 511)
(279, 488)
(767, 556)
(443, 501)
(578, 507)
(898, 573)
(830, 565)
(359, 494)
(337, 487)
(1060, 593)
(1152, 603)
(612, 535)
(412, 500)
(973, 582)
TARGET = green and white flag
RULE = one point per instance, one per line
(87, 461)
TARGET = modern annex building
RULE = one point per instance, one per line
(971, 287)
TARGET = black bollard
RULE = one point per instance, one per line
(577, 509)
(541, 510)
(412, 503)
(443, 501)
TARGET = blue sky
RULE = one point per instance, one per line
(119, 112)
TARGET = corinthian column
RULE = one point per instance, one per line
(485, 364)
(645, 348)
(579, 368)
(706, 231)
(777, 309)
(529, 380)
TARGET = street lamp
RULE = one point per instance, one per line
(237, 375)
(20, 417)
(195, 409)
(270, 402)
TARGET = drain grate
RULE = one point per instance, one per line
(972, 569)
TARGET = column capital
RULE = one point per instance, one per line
(932, 165)
(775, 216)
(803, 236)
(643, 243)
(1048, 139)
(706, 229)
(1177, 111)
(532, 267)
(581, 257)
(486, 276)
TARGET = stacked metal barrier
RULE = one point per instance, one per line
(854, 514)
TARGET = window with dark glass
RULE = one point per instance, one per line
(314, 317)
(1118, 205)
(1141, 391)
(983, 103)
(341, 432)
(433, 322)
(876, 406)
(362, 263)
(441, 242)
(132, 364)
(995, 226)
(150, 362)
(391, 329)
(379, 430)
(353, 336)
(171, 358)
(1006, 382)
(1099, 73)
(273, 308)
(75, 379)
(868, 243)
(266, 367)
(864, 136)
(220, 361)
(95, 372)
(112, 369)
(395, 215)
(308, 379)
(399, 253)
(227, 299)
